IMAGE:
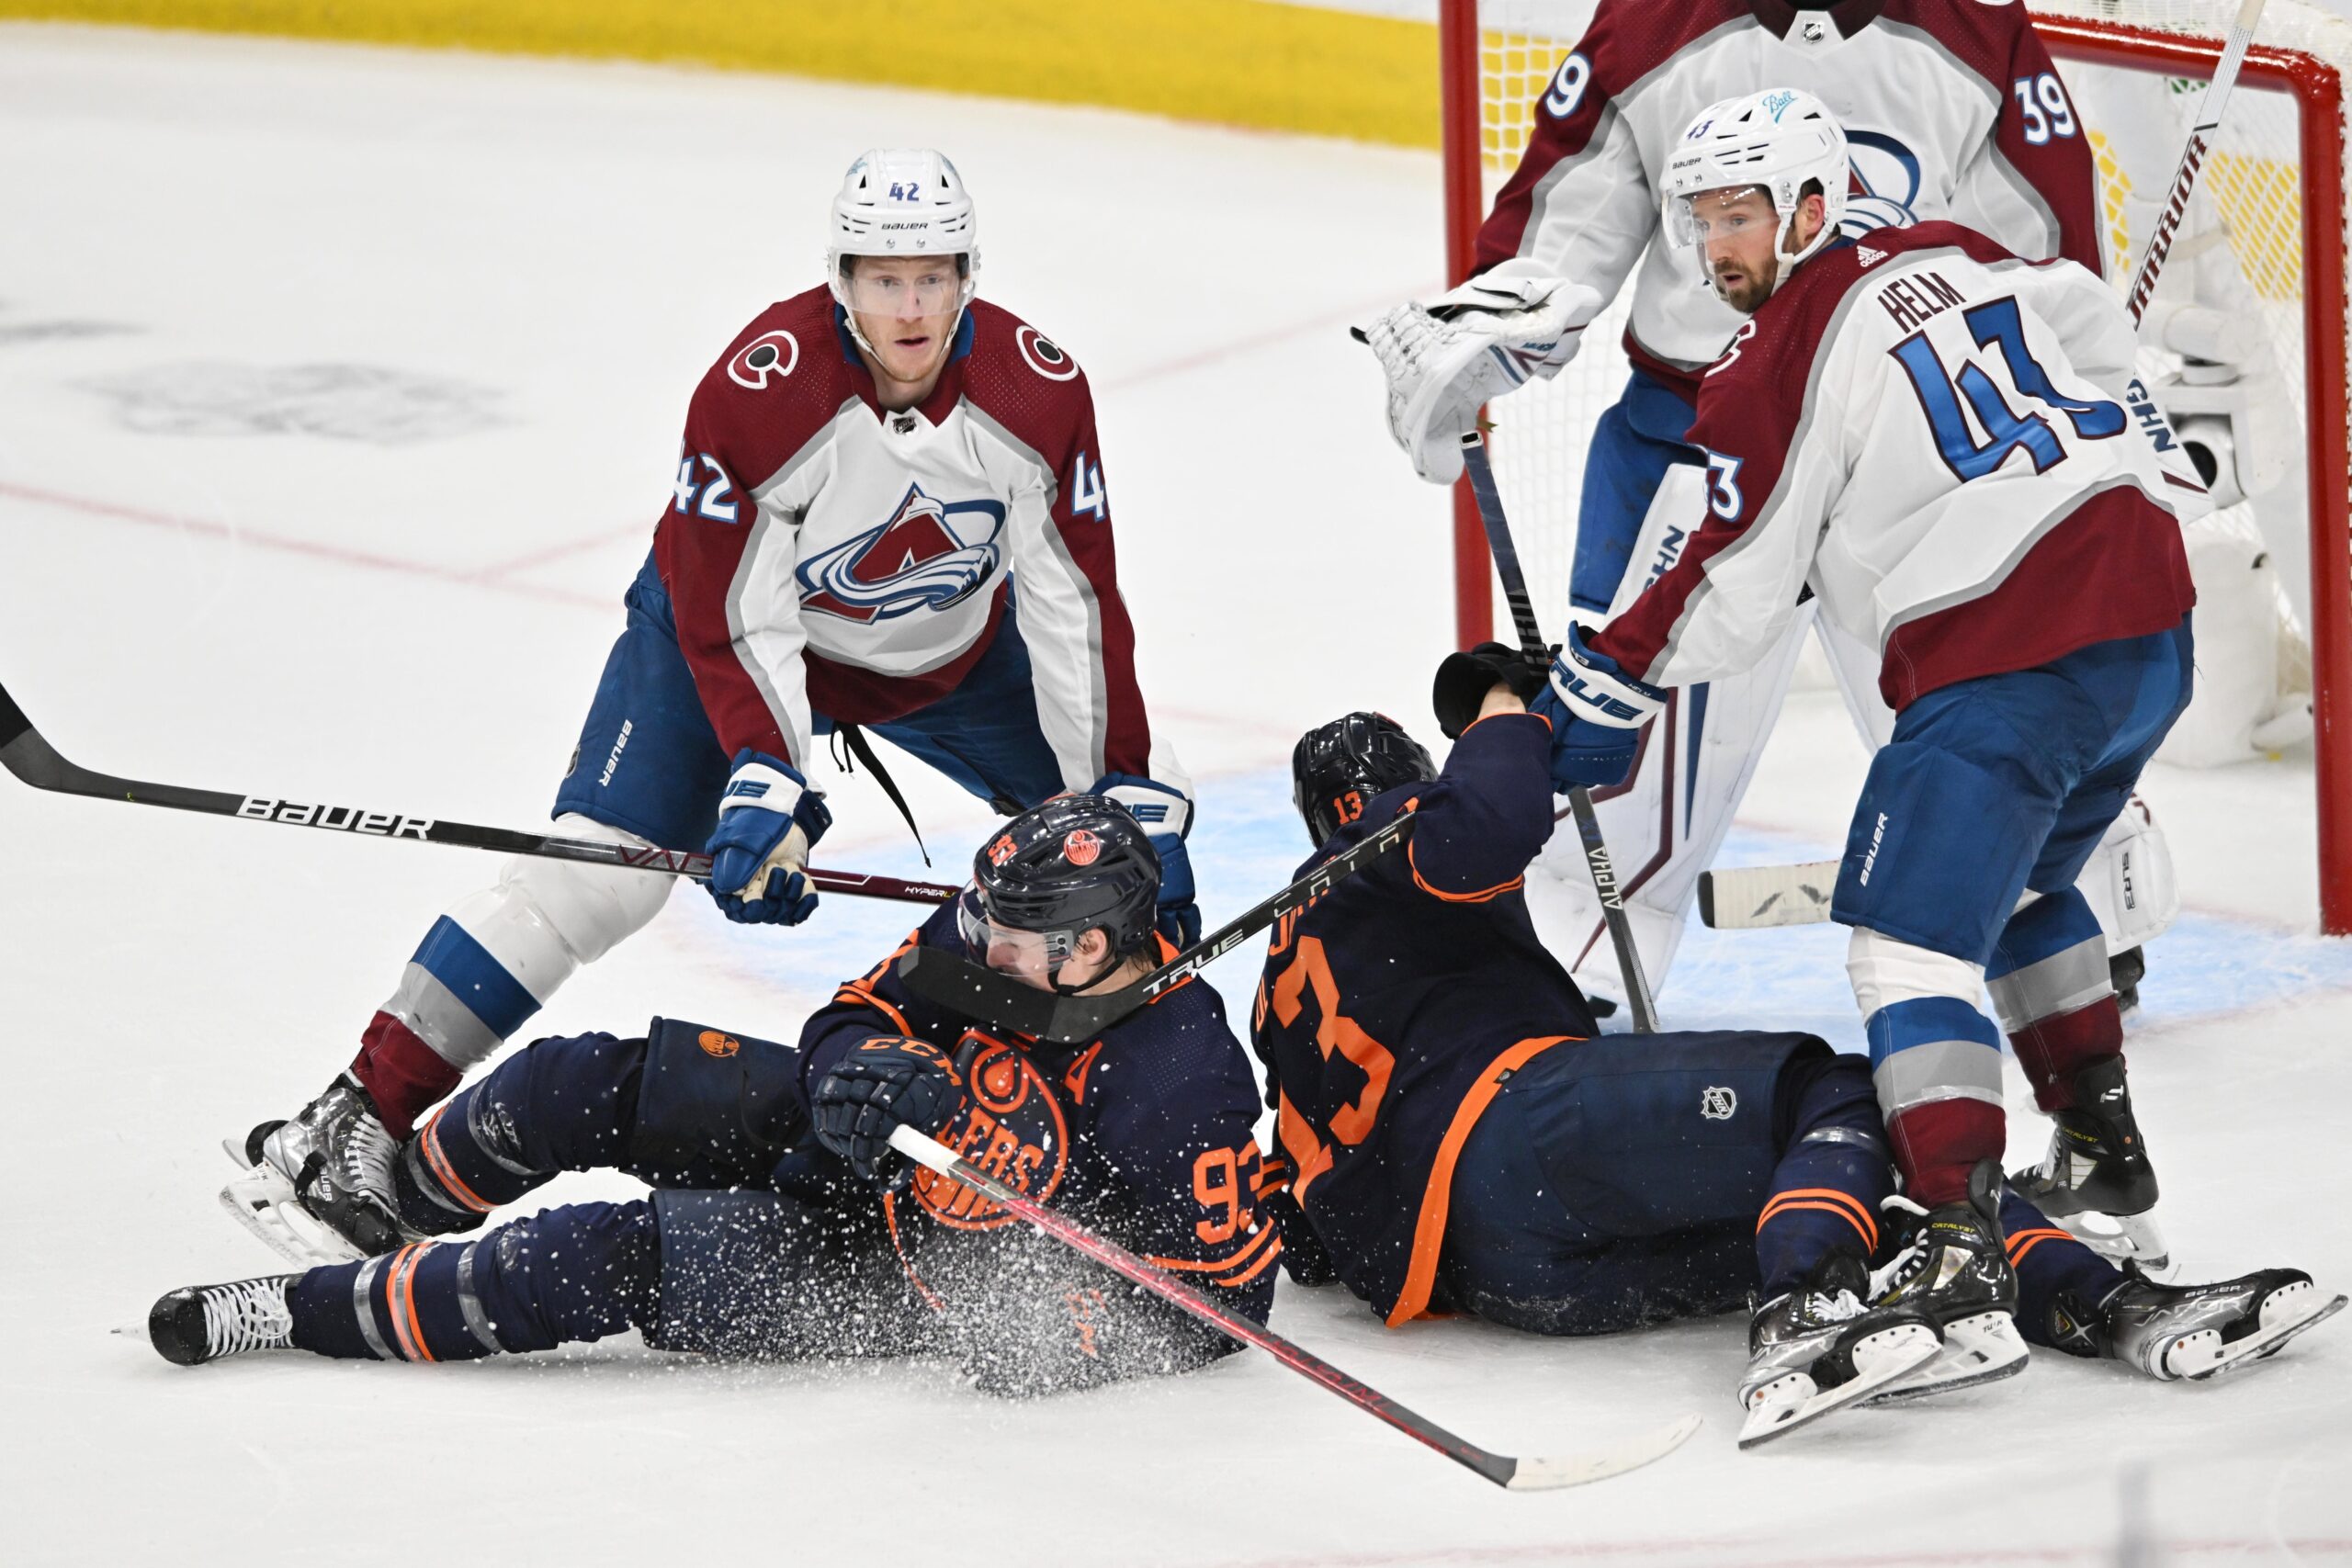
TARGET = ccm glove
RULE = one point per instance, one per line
(767, 819)
(1166, 814)
(886, 1082)
(1464, 679)
(1597, 712)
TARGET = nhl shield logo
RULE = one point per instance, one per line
(930, 555)
(1716, 1102)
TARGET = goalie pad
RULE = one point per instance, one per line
(1471, 345)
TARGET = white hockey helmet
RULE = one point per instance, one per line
(903, 201)
(1780, 139)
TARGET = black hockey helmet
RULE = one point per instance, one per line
(1337, 767)
(1077, 863)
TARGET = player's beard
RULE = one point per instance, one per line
(1743, 292)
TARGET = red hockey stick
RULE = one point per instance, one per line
(1517, 1474)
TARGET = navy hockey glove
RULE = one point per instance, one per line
(1597, 712)
(767, 820)
(1166, 813)
(885, 1082)
(1464, 679)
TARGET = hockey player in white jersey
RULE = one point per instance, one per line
(1941, 445)
(1952, 110)
(888, 513)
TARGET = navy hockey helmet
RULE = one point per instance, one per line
(1077, 863)
(1337, 767)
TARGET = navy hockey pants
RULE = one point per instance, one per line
(648, 762)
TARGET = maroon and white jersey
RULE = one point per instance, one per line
(1946, 445)
(1952, 109)
(823, 555)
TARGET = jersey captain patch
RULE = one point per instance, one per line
(929, 556)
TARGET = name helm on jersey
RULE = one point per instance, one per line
(1337, 767)
(1782, 139)
(1077, 863)
(903, 201)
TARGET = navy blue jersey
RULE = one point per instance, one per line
(1392, 1006)
(1145, 1133)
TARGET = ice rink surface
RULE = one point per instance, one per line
(339, 391)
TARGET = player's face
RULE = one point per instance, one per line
(1736, 231)
(906, 307)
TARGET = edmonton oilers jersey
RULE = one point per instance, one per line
(1145, 1133)
(1392, 1006)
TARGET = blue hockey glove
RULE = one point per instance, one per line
(884, 1083)
(767, 820)
(1597, 712)
(1166, 813)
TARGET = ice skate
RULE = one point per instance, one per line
(203, 1322)
(2195, 1332)
(1952, 1265)
(1820, 1347)
(2097, 1180)
(318, 1188)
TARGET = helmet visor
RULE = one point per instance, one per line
(927, 286)
(1034, 957)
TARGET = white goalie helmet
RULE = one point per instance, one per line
(1779, 139)
(903, 201)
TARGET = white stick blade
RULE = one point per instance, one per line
(1600, 1464)
(1750, 896)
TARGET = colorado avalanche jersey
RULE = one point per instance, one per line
(1944, 443)
(1393, 1008)
(1147, 1132)
(824, 554)
(1952, 110)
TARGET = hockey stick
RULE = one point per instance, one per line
(25, 753)
(970, 989)
(1750, 898)
(1516, 1474)
(2192, 158)
(1539, 653)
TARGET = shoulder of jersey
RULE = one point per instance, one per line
(1981, 34)
(1790, 328)
(1024, 379)
(1627, 39)
(1185, 1025)
(780, 382)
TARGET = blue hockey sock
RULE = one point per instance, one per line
(574, 1273)
(2051, 1264)
(1832, 1171)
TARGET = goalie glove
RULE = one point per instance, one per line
(1471, 345)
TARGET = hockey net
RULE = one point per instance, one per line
(2265, 241)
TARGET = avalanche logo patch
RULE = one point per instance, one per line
(1044, 356)
(1012, 1126)
(929, 556)
(769, 354)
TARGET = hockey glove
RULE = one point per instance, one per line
(1464, 679)
(1469, 346)
(1597, 712)
(885, 1082)
(1166, 813)
(767, 819)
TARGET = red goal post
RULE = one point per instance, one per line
(1495, 56)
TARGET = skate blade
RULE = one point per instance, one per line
(2286, 1313)
(1980, 1350)
(1794, 1402)
(2121, 1239)
(262, 1202)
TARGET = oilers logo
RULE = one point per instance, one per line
(930, 555)
(1011, 1126)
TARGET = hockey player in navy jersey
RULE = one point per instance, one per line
(1941, 445)
(1954, 110)
(888, 513)
(1454, 1138)
(783, 1223)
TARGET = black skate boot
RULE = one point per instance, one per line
(320, 1186)
(1953, 1266)
(203, 1322)
(1820, 1347)
(2097, 1180)
(2191, 1331)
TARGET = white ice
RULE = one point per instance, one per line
(338, 392)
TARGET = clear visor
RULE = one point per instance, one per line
(1034, 956)
(895, 290)
(1720, 213)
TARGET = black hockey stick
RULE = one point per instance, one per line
(25, 753)
(1503, 1470)
(977, 992)
(1539, 653)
